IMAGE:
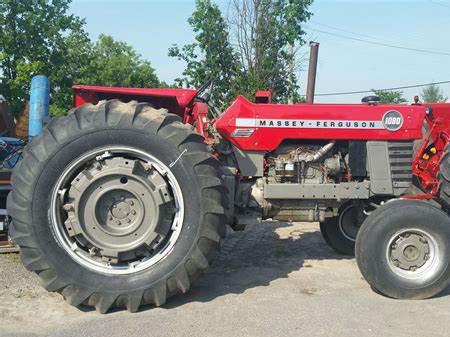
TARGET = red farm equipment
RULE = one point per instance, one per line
(124, 201)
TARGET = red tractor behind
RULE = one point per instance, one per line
(124, 201)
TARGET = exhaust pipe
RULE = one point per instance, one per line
(312, 72)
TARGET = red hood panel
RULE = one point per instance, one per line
(262, 127)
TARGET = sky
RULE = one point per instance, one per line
(420, 28)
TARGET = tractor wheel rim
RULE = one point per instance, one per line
(348, 226)
(414, 254)
(117, 210)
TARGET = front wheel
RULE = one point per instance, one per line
(117, 205)
(340, 232)
(403, 249)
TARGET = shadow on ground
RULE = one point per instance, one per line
(256, 257)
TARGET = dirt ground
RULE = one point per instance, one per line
(271, 280)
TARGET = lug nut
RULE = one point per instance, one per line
(68, 207)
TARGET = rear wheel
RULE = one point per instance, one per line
(117, 204)
(403, 249)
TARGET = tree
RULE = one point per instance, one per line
(41, 37)
(433, 94)
(115, 63)
(390, 97)
(268, 33)
(36, 37)
(258, 57)
(211, 56)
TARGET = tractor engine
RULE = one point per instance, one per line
(306, 163)
(310, 181)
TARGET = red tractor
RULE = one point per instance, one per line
(124, 201)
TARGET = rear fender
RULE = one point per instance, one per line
(175, 100)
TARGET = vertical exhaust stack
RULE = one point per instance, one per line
(312, 72)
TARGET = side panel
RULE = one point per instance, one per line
(250, 163)
(390, 167)
(262, 127)
(379, 168)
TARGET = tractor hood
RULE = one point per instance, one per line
(263, 127)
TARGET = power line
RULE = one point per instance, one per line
(343, 30)
(440, 3)
(385, 89)
(425, 51)
(388, 41)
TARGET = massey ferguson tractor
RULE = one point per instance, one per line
(125, 201)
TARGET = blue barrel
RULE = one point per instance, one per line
(39, 104)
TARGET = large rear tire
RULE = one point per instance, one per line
(117, 205)
(403, 249)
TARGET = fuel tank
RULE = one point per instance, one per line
(263, 127)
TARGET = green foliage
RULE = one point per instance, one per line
(41, 37)
(211, 56)
(390, 97)
(433, 94)
(264, 34)
(290, 14)
(34, 38)
(115, 63)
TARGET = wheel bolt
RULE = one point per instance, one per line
(133, 212)
(131, 202)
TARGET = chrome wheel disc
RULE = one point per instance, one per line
(414, 254)
(117, 210)
(349, 222)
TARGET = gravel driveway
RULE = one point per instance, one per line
(271, 280)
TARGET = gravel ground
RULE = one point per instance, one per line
(271, 280)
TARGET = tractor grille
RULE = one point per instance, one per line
(400, 158)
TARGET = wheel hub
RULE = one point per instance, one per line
(350, 221)
(119, 208)
(410, 251)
